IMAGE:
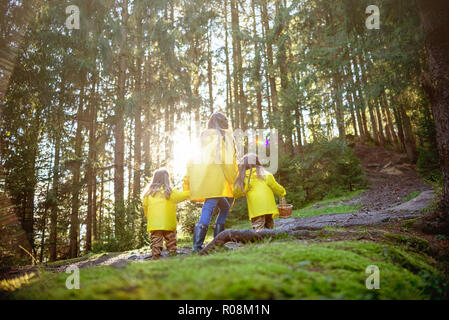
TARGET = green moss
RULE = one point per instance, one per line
(310, 211)
(279, 270)
(412, 243)
(346, 197)
(411, 196)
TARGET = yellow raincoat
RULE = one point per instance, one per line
(161, 212)
(211, 172)
(260, 194)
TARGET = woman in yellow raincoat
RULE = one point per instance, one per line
(159, 206)
(259, 187)
(210, 176)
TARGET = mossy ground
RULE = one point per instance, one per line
(281, 269)
(275, 270)
(329, 206)
(310, 211)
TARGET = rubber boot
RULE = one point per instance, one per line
(199, 234)
(219, 227)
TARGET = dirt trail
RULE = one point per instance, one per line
(391, 178)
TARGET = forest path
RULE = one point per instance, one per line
(392, 179)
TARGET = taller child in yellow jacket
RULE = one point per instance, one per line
(159, 206)
(259, 187)
(210, 175)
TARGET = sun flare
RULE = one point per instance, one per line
(185, 145)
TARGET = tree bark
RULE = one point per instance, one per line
(138, 115)
(119, 130)
(210, 73)
(410, 143)
(55, 186)
(269, 49)
(76, 182)
(229, 107)
(436, 29)
(379, 122)
(239, 94)
(91, 176)
(257, 63)
(339, 113)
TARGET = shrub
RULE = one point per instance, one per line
(428, 165)
(324, 169)
(188, 216)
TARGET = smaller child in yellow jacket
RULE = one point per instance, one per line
(159, 206)
(259, 187)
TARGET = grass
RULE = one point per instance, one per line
(346, 197)
(411, 196)
(310, 210)
(330, 206)
(278, 270)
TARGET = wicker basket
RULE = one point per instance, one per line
(285, 209)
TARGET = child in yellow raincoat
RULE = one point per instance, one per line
(210, 175)
(259, 187)
(159, 206)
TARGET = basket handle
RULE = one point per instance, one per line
(283, 201)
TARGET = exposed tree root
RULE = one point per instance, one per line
(245, 236)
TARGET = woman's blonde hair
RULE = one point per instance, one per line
(160, 181)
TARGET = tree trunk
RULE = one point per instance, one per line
(352, 98)
(388, 133)
(91, 178)
(269, 50)
(257, 63)
(239, 94)
(119, 130)
(55, 188)
(410, 143)
(339, 113)
(436, 29)
(298, 128)
(401, 136)
(210, 73)
(361, 98)
(229, 107)
(379, 122)
(138, 116)
(372, 117)
(353, 116)
(76, 182)
(390, 123)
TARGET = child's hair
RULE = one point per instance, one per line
(219, 122)
(249, 161)
(160, 180)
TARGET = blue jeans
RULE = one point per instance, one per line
(208, 209)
